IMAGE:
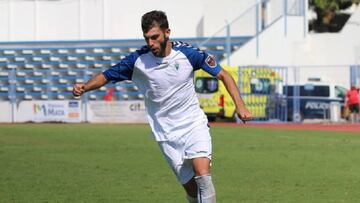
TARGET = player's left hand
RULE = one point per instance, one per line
(244, 115)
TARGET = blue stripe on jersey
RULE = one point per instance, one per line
(124, 69)
(198, 58)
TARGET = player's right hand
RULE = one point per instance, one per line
(244, 115)
(78, 89)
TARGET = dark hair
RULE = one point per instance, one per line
(152, 19)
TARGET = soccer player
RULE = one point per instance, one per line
(164, 71)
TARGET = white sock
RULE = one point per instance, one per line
(206, 190)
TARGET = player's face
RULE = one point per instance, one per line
(157, 38)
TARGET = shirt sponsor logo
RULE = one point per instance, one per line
(210, 61)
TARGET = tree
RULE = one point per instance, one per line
(327, 11)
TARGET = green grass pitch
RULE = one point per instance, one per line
(122, 163)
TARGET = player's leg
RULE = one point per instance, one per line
(198, 149)
(206, 190)
(200, 188)
(191, 190)
(173, 152)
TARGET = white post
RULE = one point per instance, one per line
(285, 17)
(103, 19)
(306, 20)
(80, 9)
(36, 27)
(228, 43)
(258, 26)
(9, 20)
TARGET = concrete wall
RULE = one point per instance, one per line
(22, 20)
(326, 56)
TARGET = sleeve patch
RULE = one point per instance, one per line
(210, 61)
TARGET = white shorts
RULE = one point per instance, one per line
(178, 152)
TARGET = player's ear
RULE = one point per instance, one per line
(167, 33)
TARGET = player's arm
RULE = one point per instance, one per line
(119, 72)
(209, 64)
(95, 82)
(230, 85)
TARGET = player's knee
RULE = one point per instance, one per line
(201, 171)
(201, 166)
(206, 190)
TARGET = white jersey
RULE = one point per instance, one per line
(170, 98)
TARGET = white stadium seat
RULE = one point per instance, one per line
(92, 97)
(4, 89)
(28, 81)
(37, 89)
(60, 97)
(98, 50)
(29, 66)
(20, 89)
(45, 51)
(27, 51)
(9, 52)
(44, 97)
(63, 51)
(45, 81)
(28, 97)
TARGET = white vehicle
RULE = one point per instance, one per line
(314, 99)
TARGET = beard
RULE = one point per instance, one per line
(163, 47)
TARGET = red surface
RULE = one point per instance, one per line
(318, 126)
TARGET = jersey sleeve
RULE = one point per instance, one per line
(124, 69)
(202, 60)
(210, 65)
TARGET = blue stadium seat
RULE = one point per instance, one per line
(39, 66)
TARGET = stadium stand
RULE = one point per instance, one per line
(48, 70)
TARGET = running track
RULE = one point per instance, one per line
(318, 126)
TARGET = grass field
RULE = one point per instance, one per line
(121, 163)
